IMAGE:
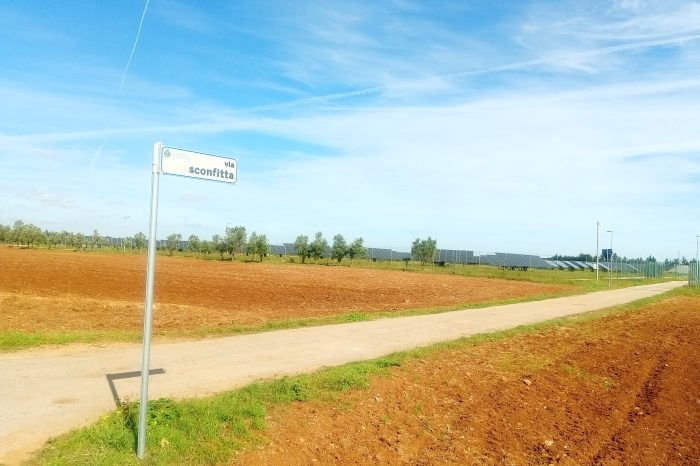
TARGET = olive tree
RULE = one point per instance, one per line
(301, 244)
(258, 245)
(53, 238)
(205, 247)
(4, 233)
(95, 239)
(78, 241)
(339, 248)
(140, 240)
(193, 243)
(318, 246)
(235, 239)
(172, 243)
(219, 245)
(424, 249)
(357, 250)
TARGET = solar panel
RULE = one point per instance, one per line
(379, 254)
(277, 249)
(523, 261)
(454, 256)
(539, 263)
(400, 255)
(491, 259)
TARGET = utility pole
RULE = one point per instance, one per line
(610, 259)
(597, 236)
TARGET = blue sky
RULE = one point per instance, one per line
(492, 126)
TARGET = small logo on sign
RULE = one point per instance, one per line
(166, 153)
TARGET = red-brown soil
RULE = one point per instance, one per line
(65, 290)
(623, 389)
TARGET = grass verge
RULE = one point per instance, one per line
(211, 430)
(13, 340)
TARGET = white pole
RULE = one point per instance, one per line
(597, 263)
(610, 259)
(148, 308)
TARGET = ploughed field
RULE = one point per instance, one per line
(622, 389)
(42, 290)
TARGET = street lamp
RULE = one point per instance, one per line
(597, 234)
(610, 259)
(126, 217)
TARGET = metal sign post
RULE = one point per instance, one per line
(180, 162)
(148, 307)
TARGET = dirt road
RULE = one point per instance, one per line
(46, 392)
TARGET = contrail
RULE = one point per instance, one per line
(133, 49)
(96, 156)
(477, 72)
(98, 152)
(587, 53)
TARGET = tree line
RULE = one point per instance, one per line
(29, 235)
(235, 240)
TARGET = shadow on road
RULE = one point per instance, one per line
(126, 375)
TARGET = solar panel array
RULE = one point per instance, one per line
(454, 256)
(510, 260)
(383, 254)
(460, 256)
(379, 254)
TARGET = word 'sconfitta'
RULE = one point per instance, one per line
(215, 173)
(197, 165)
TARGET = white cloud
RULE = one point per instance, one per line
(425, 131)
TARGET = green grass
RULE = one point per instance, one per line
(13, 340)
(211, 430)
(202, 431)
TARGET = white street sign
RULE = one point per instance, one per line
(196, 165)
(170, 161)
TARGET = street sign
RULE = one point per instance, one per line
(607, 254)
(197, 165)
(170, 161)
